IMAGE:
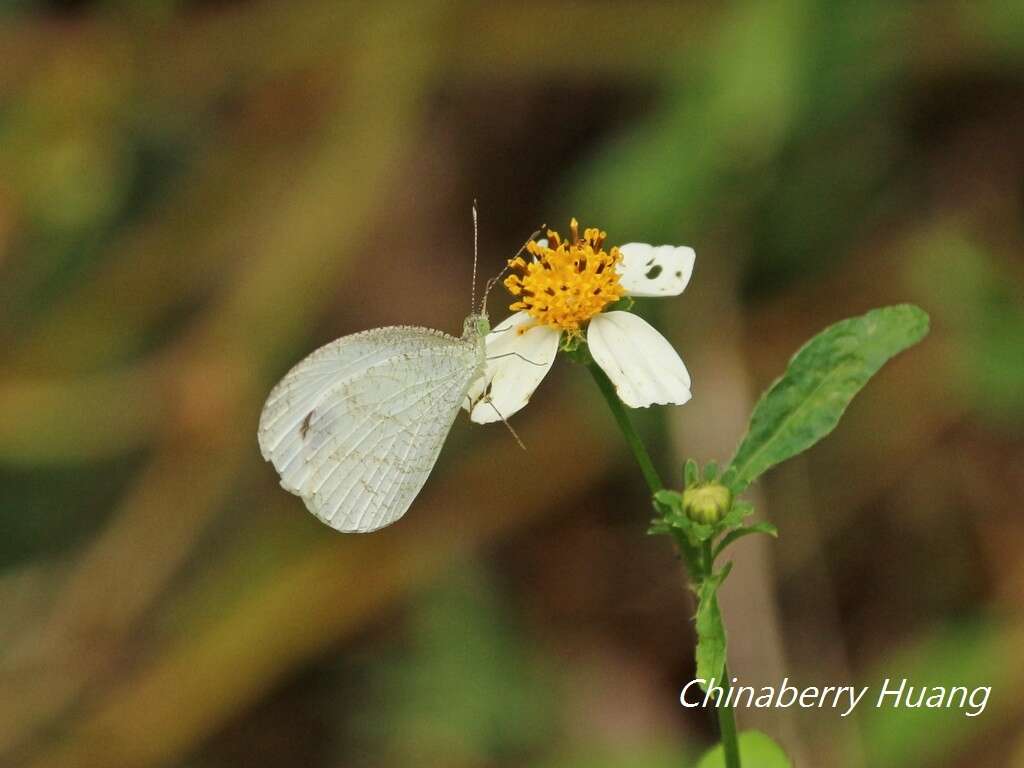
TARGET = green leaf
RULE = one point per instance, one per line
(711, 645)
(756, 750)
(711, 471)
(729, 538)
(805, 404)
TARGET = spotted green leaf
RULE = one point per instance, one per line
(805, 404)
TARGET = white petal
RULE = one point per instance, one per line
(516, 363)
(642, 365)
(655, 270)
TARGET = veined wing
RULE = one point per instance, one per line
(356, 427)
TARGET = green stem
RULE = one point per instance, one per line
(708, 559)
(698, 562)
(643, 458)
(690, 554)
(726, 715)
(727, 726)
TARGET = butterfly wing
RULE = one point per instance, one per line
(356, 427)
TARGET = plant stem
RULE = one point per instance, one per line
(708, 559)
(727, 726)
(699, 563)
(643, 458)
(690, 554)
(726, 715)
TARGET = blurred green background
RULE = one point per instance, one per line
(195, 194)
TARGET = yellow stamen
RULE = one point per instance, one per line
(567, 282)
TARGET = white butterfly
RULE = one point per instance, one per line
(356, 427)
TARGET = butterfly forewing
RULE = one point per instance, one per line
(356, 427)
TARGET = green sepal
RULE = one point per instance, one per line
(694, 531)
(671, 499)
(734, 518)
(711, 471)
(701, 531)
(672, 518)
(691, 473)
(571, 344)
(625, 304)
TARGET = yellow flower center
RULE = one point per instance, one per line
(567, 282)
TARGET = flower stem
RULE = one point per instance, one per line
(643, 458)
(698, 563)
(690, 554)
(727, 726)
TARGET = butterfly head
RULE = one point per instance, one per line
(477, 326)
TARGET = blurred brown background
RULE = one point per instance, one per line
(195, 194)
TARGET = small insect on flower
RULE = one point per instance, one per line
(562, 290)
(356, 427)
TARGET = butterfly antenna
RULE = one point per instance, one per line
(476, 252)
(507, 425)
(491, 283)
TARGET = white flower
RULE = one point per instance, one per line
(563, 291)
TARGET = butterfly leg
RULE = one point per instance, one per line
(516, 354)
(505, 422)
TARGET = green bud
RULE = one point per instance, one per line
(707, 504)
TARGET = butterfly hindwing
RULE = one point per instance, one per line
(356, 427)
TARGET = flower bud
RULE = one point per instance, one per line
(707, 503)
